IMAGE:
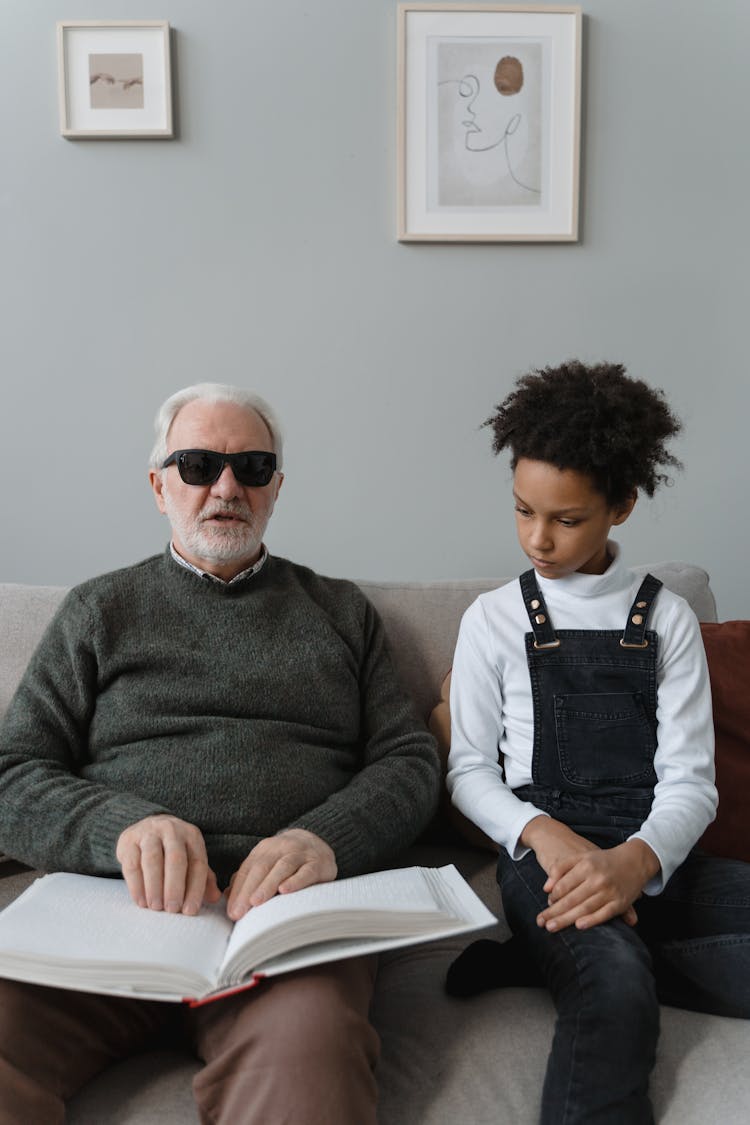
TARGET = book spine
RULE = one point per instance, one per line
(193, 1002)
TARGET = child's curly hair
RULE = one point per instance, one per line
(593, 419)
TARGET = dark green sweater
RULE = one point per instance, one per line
(243, 709)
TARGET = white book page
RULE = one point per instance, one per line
(462, 911)
(455, 896)
(404, 892)
(94, 920)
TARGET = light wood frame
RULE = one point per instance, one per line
(78, 119)
(423, 165)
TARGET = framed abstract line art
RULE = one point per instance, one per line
(489, 106)
(114, 78)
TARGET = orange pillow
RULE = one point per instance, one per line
(728, 651)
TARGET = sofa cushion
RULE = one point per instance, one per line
(25, 612)
(728, 651)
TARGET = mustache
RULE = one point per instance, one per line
(233, 508)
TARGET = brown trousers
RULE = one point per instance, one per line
(297, 1050)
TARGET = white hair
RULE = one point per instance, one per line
(212, 392)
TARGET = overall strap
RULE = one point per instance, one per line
(634, 635)
(544, 634)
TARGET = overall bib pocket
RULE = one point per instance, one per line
(604, 738)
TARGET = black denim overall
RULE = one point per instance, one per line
(594, 698)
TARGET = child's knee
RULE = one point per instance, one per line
(611, 983)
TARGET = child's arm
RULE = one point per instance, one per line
(685, 795)
(475, 774)
(587, 885)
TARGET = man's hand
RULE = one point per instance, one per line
(165, 865)
(587, 885)
(279, 864)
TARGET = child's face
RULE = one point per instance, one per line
(562, 520)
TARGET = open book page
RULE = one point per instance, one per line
(467, 913)
(359, 915)
(98, 934)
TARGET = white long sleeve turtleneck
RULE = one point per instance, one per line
(492, 712)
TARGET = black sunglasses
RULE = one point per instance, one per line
(204, 466)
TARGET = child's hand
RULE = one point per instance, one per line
(587, 885)
(600, 886)
(556, 846)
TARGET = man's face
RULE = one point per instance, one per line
(217, 527)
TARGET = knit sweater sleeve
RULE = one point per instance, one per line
(394, 794)
(50, 816)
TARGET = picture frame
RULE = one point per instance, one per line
(114, 79)
(489, 109)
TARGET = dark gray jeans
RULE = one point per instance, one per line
(690, 949)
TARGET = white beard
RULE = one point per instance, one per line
(211, 541)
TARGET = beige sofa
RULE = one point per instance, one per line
(444, 1061)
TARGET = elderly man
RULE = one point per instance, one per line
(212, 720)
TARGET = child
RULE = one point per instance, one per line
(582, 743)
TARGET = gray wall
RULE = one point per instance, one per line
(259, 248)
